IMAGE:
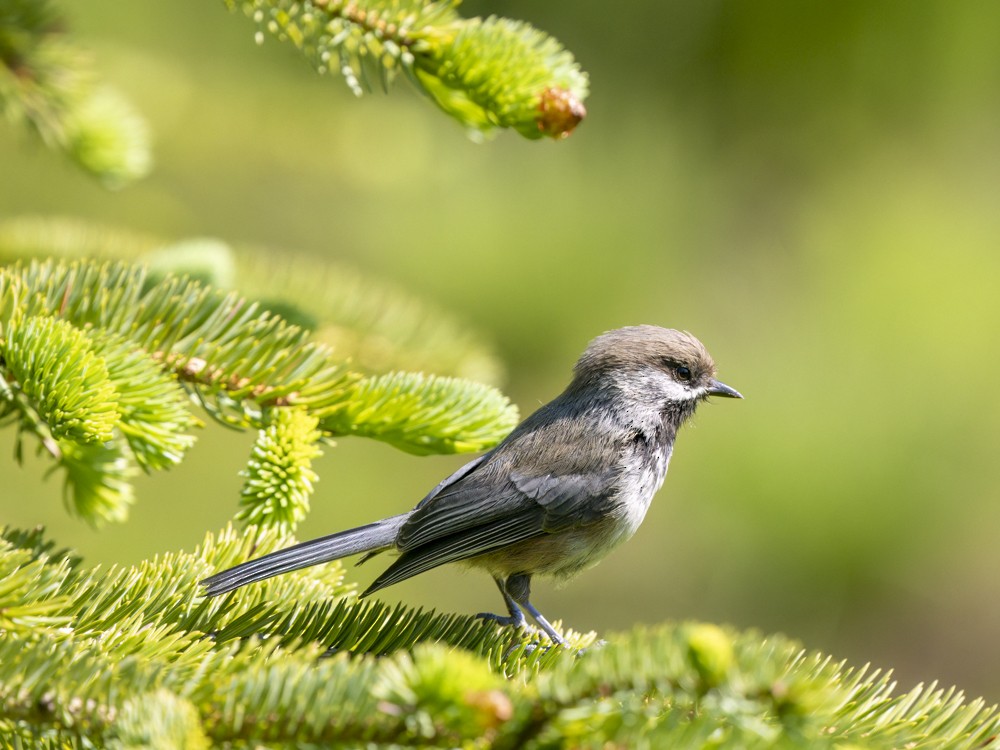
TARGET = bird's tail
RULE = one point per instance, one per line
(371, 538)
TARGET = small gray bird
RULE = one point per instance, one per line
(569, 484)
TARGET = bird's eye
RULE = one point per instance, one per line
(683, 373)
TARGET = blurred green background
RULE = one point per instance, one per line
(812, 188)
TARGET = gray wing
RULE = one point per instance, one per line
(537, 482)
(446, 482)
(450, 480)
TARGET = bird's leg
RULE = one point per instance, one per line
(516, 618)
(518, 589)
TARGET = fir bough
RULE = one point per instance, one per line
(100, 364)
(54, 367)
(486, 74)
(47, 85)
(377, 326)
(137, 656)
(279, 477)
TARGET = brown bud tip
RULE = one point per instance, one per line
(559, 112)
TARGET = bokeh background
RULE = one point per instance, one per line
(812, 188)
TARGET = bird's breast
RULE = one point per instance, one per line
(570, 550)
(640, 482)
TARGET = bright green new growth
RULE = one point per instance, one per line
(137, 657)
(540, 92)
(279, 477)
(376, 326)
(154, 410)
(101, 362)
(54, 367)
(162, 717)
(97, 403)
(487, 74)
(408, 410)
(97, 484)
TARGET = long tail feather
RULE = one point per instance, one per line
(375, 536)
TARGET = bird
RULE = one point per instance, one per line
(569, 484)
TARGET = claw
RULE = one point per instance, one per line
(512, 621)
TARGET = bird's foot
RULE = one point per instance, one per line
(535, 645)
(510, 621)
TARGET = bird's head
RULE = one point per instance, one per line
(655, 367)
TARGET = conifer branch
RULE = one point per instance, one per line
(423, 414)
(487, 74)
(97, 484)
(90, 658)
(279, 477)
(60, 375)
(95, 360)
(47, 85)
(376, 326)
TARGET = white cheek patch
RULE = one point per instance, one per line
(674, 391)
(655, 387)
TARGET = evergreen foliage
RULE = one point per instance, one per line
(102, 358)
(62, 377)
(486, 73)
(46, 83)
(279, 477)
(375, 325)
(408, 410)
(135, 657)
(98, 480)
(100, 362)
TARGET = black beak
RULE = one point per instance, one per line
(715, 388)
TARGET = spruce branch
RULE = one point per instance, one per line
(97, 482)
(96, 359)
(540, 92)
(29, 595)
(39, 545)
(377, 326)
(423, 414)
(102, 657)
(67, 384)
(486, 74)
(279, 477)
(158, 719)
(154, 410)
(46, 83)
(243, 360)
